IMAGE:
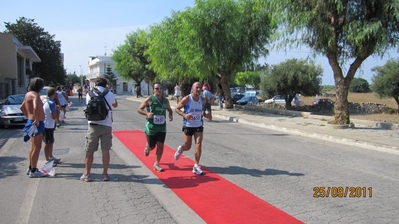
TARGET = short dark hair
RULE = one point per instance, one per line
(101, 82)
(153, 85)
(50, 91)
(36, 84)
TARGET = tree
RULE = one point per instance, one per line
(248, 77)
(290, 78)
(386, 80)
(49, 50)
(110, 76)
(346, 32)
(218, 37)
(359, 85)
(129, 58)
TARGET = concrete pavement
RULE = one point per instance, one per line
(372, 135)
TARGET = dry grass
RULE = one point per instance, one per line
(365, 97)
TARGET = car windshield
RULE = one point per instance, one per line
(14, 100)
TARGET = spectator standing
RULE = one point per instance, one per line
(192, 124)
(50, 116)
(80, 94)
(86, 86)
(207, 95)
(219, 93)
(99, 131)
(64, 100)
(32, 108)
(177, 93)
(138, 91)
(154, 108)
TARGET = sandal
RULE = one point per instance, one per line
(105, 177)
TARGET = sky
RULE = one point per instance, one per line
(93, 28)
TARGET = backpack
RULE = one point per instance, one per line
(96, 110)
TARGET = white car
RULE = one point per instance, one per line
(10, 114)
(279, 99)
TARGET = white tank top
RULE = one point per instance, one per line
(194, 108)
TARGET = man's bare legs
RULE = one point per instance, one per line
(35, 150)
(88, 162)
(106, 159)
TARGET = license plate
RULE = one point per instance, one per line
(18, 119)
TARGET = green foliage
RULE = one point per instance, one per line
(110, 76)
(346, 32)
(49, 50)
(359, 85)
(290, 78)
(248, 77)
(386, 80)
(130, 60)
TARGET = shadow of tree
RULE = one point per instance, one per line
(8, 165)
(251, 172)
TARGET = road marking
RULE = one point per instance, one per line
(26, 207)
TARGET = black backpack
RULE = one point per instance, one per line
(96, 109)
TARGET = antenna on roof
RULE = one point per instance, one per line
(105, 47)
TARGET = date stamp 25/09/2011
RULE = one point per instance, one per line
(342, 192)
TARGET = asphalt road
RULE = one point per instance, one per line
(285, 170)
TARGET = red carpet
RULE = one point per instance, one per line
(213, 198)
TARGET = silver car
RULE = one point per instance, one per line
(10, 114)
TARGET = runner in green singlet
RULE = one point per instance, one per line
(154, 108)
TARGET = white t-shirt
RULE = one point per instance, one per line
(110, 98)
(177, 90)
(49, 108)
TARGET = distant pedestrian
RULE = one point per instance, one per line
(207, 96)
(177, 93)
(32, 108)
(192, 124)
(138, 91)
(51, 115)
(220, 94)
(99, 131)
(154, 108)
(80, 94)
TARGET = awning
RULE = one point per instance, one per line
(29, 53)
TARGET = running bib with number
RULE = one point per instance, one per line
(196, 117)
(159, 119)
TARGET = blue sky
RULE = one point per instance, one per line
(89, 28)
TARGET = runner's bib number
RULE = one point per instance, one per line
(196, 117)
(159, 119)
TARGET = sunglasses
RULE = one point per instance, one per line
(157, 88)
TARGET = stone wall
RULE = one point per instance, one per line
(354, 108)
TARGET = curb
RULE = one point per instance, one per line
(330, 138)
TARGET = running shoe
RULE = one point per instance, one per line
(37, 174)
(197, 170)
(157, 167)
(55, 160)
(85, 178)
(146, 151)
(178, 153)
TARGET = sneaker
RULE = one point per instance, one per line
(85, 178)
(37, 174)
(56, 161)
(49, 161)
(105, 177)
(178, 153)
(146, 151)
(197, 170)
(157, 167)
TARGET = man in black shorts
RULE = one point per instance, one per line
(192, 124)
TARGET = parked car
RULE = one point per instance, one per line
(279, 99)
(10, 114)
(247, 99)
(322, 101)
(43, 93)
(236, 97)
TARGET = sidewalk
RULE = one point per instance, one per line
(365, 134)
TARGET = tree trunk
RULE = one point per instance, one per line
(341, 108)
(228, 102)
(397, 103)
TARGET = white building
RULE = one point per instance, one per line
(97, 66)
